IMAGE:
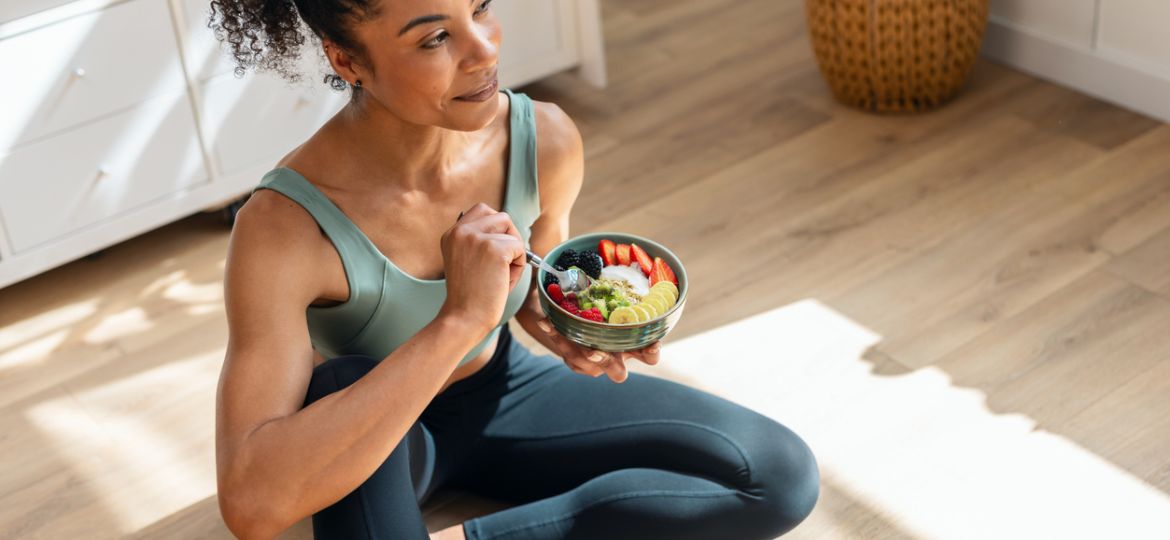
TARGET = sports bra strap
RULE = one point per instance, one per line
(362, 264)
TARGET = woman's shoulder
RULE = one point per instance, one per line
(557, 136)
(560, 154)
(274, 236)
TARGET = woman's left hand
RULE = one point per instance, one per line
(593, 362)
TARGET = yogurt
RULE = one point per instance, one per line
(632, 274)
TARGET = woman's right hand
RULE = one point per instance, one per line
(483, 258)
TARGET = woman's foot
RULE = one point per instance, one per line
(454, 532)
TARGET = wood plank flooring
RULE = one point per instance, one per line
(1016, 241)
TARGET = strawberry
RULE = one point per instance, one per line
(608, 251)
(623, 254)
(643, 259)
(570, 306)
(554, 292)
(592, 314)
(662, 272)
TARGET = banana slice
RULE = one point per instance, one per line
(650, 308)
(623, 315)
(668, 287)
(643, 315)
(661, 305)
(662, 296)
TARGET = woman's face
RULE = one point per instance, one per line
(434, 61)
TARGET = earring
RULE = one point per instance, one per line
(357, 83)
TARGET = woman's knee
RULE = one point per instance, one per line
(337, 373)
(785, 477)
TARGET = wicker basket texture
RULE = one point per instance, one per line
(896, 55)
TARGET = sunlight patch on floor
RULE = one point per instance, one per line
(41, 324)
(32, 352)
(115, 325)
(927, 455)
(137, 464)
(191, 293)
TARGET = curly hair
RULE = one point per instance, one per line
(267, 34)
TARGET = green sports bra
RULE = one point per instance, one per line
(387, 306)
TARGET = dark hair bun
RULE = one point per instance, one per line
(267, 35)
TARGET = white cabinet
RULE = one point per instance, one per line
(100, 170)
(1138, 30)
(127, 115)
(1070, 21)
(1116, 50)
(260, 117)
(557, 42)
(86, 67)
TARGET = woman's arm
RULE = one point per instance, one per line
(560, 159)
(277, 462)
(560, 162)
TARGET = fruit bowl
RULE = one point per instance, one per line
(653, 324)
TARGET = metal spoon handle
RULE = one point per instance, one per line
(536, 261)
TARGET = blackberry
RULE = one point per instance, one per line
(590, 262)
(549, 278)
(587, 260)
(566, 259)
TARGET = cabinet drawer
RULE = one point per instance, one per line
(1136, 30)
(85, 67)
(206, 57)
(261, 117)
(10, 10)
(1069, 21)
(59, 185)
(540, 37)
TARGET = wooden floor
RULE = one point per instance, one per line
(982, 287)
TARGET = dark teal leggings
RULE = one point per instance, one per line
(579, 457)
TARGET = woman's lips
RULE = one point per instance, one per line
(483, 95)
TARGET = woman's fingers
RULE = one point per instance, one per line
(648, 355)
(513, 250)
(480, 209)
(569, 352)
(594, 362)
(494, 222)
(615, 367)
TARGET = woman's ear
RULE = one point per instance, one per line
(341, 61)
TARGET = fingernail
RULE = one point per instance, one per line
(544, 326)
(655, 348)
(597, 357)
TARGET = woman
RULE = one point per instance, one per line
(368, 286)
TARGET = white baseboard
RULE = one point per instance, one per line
(1108, 77)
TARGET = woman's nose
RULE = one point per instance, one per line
(483, 50)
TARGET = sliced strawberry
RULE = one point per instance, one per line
(643, 259)
(662, 272)
(608, 251)
(623, 254)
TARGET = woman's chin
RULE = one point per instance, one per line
(474, 116)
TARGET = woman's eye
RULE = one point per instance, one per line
(436, 41)
(483, 7)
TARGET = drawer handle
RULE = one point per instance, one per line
(79, 72)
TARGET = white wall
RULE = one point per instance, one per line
(1118, 50)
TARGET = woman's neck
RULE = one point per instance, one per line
(415, 157)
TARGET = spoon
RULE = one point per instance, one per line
(571, 280)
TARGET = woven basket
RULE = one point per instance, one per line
(896, 55)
